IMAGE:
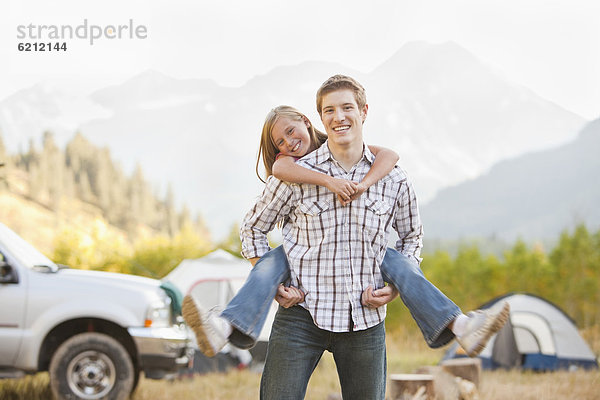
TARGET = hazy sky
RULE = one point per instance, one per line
(552, 47)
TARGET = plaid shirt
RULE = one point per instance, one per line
(335, 252)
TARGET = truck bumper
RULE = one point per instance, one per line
(162, 351)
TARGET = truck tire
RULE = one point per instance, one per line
(91, 366)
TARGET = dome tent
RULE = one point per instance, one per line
(539, 336)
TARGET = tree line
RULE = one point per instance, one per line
(568, 275)
(88, 173)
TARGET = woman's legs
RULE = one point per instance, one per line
(429, 307)
(248, 309)
(246, 312)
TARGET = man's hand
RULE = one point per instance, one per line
(289, 296)
(376, 298)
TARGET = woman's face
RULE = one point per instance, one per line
(291, 136)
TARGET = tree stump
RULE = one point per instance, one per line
(466, 368)
(402, 385)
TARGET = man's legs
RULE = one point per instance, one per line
(295, 348)
(361, 363)
(429, 307)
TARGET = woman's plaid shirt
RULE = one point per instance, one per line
(334, 252)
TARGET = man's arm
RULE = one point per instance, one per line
(272, 206)
(410, 231)
(408, 223)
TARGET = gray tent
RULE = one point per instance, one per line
(539, 336)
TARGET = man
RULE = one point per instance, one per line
(334, 253)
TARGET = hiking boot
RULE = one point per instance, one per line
(208, 327)
(482, 324)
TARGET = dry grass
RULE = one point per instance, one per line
(501, 385)
(405, 353)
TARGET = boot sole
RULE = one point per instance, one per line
(193, 318)
(496, 325)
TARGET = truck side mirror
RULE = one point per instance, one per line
(7, 273)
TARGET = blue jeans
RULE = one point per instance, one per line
(429, 307)
(248, 310)
(296, 345)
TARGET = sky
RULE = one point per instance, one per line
(549, 46)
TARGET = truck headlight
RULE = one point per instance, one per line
(159, 314)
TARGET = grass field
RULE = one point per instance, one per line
(405, 354)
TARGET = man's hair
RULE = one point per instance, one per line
(339, 82)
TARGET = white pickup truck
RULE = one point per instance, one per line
(94, 332)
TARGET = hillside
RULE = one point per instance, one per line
(39, 224)
(47, 192)
(533, 196)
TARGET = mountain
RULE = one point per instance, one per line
(451, 117)
(448, 115)
(25, 115)
(536, 195)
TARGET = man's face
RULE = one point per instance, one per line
(342, 118)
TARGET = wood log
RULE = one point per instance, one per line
(466, 368)
(444, 384)
(403, 386)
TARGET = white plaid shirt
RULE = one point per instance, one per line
(334, 252)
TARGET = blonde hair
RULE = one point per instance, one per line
(268, 150)
(339, 82)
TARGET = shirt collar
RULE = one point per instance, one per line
(323, 154)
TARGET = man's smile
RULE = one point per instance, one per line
(341, 128)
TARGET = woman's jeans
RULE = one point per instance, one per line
(429, 307)
(296, 345)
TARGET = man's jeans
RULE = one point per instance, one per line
(296, 345)
(429, 307)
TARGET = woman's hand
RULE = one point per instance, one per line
(288, 296)
(343, 188)
(359, 189)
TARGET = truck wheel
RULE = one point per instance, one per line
(91, 366)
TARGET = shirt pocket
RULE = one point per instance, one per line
(314, 208)
(377, 213)
(314, 220)
(377, 207)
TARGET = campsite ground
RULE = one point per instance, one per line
(405, 353)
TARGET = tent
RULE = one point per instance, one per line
(539, 336)
(213, 280)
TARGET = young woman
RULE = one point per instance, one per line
(288, 135)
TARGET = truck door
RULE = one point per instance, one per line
(13, 290)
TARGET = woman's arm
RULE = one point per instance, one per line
(287, 170)
(385, 160)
